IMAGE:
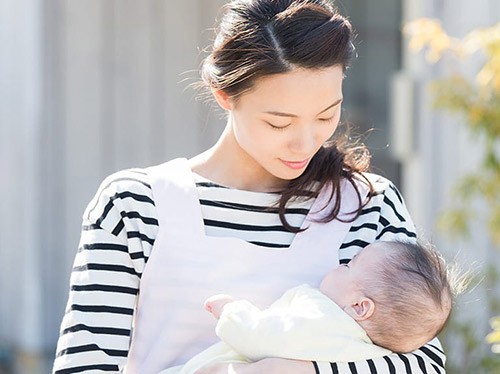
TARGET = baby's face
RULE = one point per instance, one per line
(343, 284)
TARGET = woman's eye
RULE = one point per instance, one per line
(327, 119)
(277, 127)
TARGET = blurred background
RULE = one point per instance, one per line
(91, 87)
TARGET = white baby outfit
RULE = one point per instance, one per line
(303, 324)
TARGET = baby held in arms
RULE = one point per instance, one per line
(391, 297)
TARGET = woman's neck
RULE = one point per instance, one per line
(227, 164)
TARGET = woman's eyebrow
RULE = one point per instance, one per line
(331, 106)
(282, 114)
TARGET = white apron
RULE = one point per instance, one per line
(186, 267)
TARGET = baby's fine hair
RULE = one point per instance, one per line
(413, 293)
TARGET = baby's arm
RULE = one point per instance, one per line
(215, 304)
(251, 332)
(247, 329)
(277, 331)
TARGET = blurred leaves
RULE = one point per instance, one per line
(471, 357)
(477, 100)
(427, 33)
(494, 337)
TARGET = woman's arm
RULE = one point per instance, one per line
(117, 236)
(267, 365)
(428, 359)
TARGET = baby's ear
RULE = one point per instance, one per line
(362, 309)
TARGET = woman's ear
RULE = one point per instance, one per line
(362, 309)
(222, 99)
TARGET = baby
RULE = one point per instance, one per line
(392, 296)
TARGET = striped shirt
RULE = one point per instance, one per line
(119, 229)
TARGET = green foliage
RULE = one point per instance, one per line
(473, 359)
(477, 101)
(474, 355)
(482, 114)
(494, 337)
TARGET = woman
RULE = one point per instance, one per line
(270, 206)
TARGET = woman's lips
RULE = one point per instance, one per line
(295, 164)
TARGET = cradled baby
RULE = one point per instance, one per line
(391, 297)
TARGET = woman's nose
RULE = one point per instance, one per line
(303, 140)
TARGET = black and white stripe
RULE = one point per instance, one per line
(251, 216)
(118, 233)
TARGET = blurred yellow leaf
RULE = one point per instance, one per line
(427, 32)
(494, 337)
(495, 323)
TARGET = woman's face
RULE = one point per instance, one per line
(283, 121)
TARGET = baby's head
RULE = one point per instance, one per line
(399, 292)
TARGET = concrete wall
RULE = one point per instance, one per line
(86, 88)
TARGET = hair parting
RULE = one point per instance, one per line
(258, 38)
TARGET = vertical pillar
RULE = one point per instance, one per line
(20, 249)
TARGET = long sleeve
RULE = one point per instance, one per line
(118, 231)
(385, 218)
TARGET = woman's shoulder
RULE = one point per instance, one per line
(127, 178)
(384, 216)
(383, 190)
(389, 204)
(128, 187)
(379, 183)
(384, 198)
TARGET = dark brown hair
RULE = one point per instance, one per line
(413, 289)
(257, 38)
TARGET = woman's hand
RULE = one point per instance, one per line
(266, 366)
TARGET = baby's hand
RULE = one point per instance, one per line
(215, 304)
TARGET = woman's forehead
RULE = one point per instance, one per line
(296, 91)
